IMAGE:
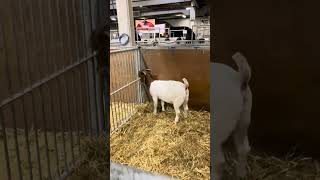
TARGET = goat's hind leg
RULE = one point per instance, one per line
(176, 104)
(162, 105)
(155, 105)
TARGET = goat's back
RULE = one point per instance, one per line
(167, 90)
(227, 99)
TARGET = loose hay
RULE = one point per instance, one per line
(95, 164)
(155, 144)
(291, 167)
(268, 167)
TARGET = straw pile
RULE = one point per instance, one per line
(291, 167)
(153, 143)
(94, 162)
(262, 166)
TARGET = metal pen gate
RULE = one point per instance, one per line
(125, 86)
(49, 87)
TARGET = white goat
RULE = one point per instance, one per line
(169, 91)
(231, 100)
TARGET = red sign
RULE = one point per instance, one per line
(148, 24)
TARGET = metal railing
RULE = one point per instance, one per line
(126, 92)
(176, 43)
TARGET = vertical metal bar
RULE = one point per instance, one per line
(12, 107)
(125, 77)
(55, 119)
(23, 102)
(136, 70)
(90, 73)
(89, 100)
(111, 115)
(129, 65)
(122, 84)
(44, 118)
(132, 78)
(37, 137)
(68, 52)
(6, 152)
(112, 100)
(34, 121)
(85, 108)
(119, 69)
(81, 116)
(71, 119)
(55, 133)
(60, 86)
(75, 24)
(130, 89)
(96, 95)
(84, 36)
(68, 113)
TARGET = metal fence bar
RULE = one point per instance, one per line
(55, 133)
(123, 50)
(46, 64)
(23, 102)
(123, 87)
(37, 55)
(76, 42)
(6, 152)
(60, 85)
(44, 119)
(13, 112)
(125, 90)
(45, 80)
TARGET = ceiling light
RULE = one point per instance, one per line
(188, 8)
(113, 18)
(184, 16)
(178, 14)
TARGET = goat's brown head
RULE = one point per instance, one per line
(146, 76)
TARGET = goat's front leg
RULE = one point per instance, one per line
(155, 105)
(162, 105)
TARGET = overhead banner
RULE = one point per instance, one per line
(145, 25)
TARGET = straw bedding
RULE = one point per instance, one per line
(153, 143)
(268, 167)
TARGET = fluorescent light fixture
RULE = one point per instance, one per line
(179, 15)
(188, 8)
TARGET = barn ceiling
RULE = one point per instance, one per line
(163, 9)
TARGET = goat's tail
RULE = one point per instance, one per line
(185, 82)
(243, 68)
